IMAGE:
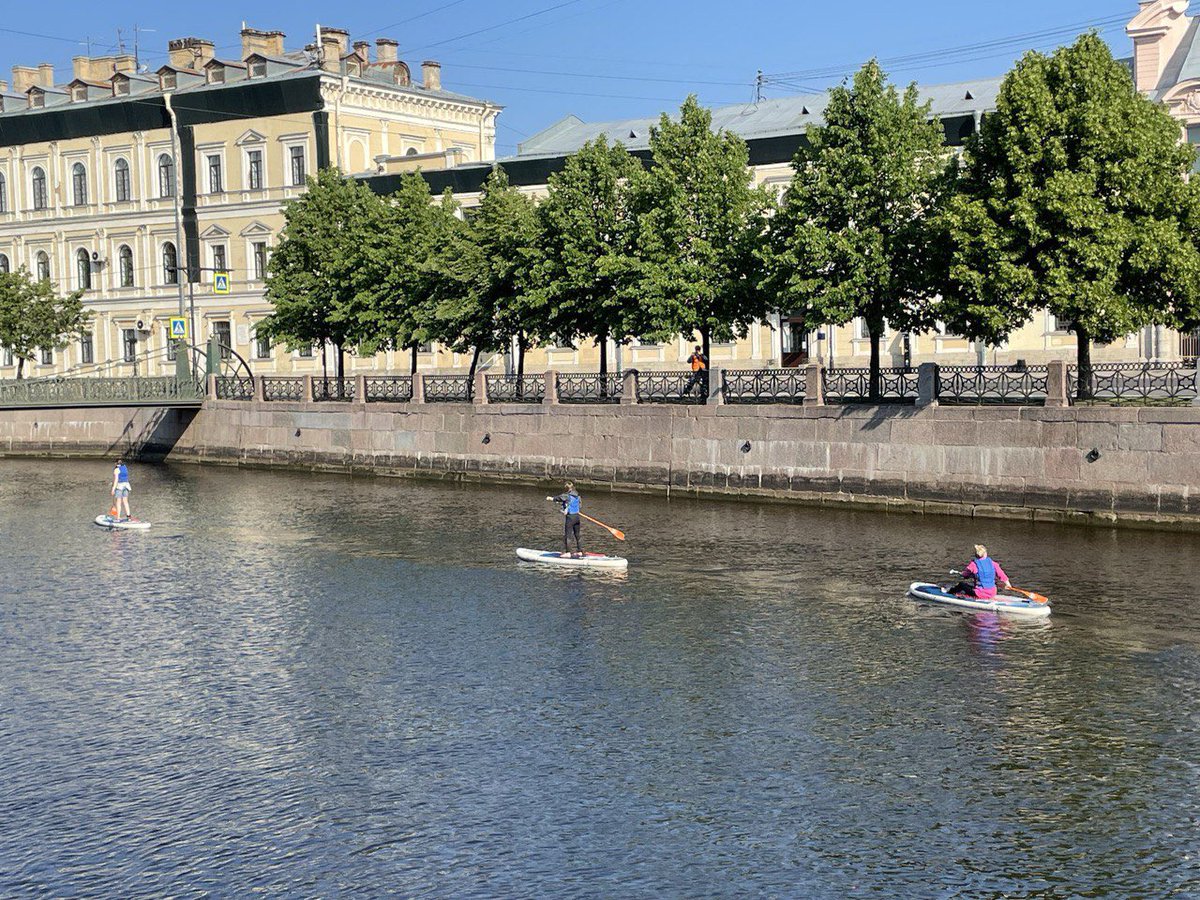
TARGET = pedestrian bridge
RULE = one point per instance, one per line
(162, 391)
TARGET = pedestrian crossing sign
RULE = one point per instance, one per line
(178, 328)
(220, 282)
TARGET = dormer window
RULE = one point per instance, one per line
(216, 74)
(121, 87)
(79, 93)
(258, 68)
(168, 80)
(37, 100)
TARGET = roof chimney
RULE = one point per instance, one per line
(3, 85)
(101, 68)
(431, 75)
(363, 49)
(341, 35)
(386, 50)
(331, 53)
(23, 78)
(190, 52)
(267, 43)
(45, 74)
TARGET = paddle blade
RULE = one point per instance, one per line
(112, 511)
(617, 533)
(1032, 595)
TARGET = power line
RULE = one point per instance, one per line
(436, 9)
(504, 24)
(602, 76)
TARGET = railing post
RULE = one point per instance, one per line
(418, 388)
(360, 389)
(260, 389)
(551, 395)
(629, 387)
(927, 385)
(480, 396)
(716, 387)
(210, 386)
(306, 389)
(1056, 384)
(814, 385)
(1196, 383)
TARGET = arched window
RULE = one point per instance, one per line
(121, 181)
(4, 267)
(170, 264)
(83, 268)
(3, 194)
(43, 266)
(166, 176)
(411, 151)
(125, 265)
(39, 187)
(79, 184)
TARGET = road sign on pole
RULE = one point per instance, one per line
(221, 282)
(179, 330)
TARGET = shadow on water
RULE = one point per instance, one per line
(323, 685)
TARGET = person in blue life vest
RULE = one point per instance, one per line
(570, 502)
(120, 489)
(980, 576)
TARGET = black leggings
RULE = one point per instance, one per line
(571, 527)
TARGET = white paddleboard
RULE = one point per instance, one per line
(107, 521)
(1011, 606)
(587, 561)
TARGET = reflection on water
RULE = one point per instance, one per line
(321, 686)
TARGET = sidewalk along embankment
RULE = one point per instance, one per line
(1137, 467)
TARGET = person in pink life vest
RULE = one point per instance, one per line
(980, 576)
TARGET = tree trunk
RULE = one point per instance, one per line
(602, 340)
(20, 367)
(471, 373)
(520, 357)
(1083, 382)
(324, 363)
(412, 368)
(705, 343)
(341, 361)
(873, 384)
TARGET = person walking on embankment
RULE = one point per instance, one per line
(570, 501)
(981, 575)
(699, 376)
(120, 490)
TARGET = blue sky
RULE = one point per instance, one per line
(600, 59)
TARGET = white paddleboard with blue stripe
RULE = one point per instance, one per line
(1012, 606)
(587, 561)
(122, 524)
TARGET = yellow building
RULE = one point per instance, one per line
(137, 186)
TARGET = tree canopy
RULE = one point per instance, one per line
(1074, 198)
(853, 237)
(34, 316)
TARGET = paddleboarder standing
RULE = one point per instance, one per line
(570, 501)
(120, 489)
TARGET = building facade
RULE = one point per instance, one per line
(137, 187)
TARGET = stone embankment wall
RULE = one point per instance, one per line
(1135, 466)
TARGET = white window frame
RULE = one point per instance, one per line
(116, 181)
(289, 142)
(261, 150)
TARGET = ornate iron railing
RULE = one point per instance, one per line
(588, 388)
(283, 389)
(389, 388)
(151, 390)
(992, 384)
(854, 386)
(339, 390)
(448, 389)
(516, 388)
(1147, 382)
(764, 386)
(235, 387)
(672, 387)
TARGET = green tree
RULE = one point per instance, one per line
(505, 229)
(700, 229)
(854, 236)
(393, 305)
(586, 270)
(33, 316)
(1074, 199)
(311, 276)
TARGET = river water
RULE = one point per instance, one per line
(310, 685)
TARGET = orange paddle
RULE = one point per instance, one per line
(615, 532)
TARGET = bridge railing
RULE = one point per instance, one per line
(149, 391)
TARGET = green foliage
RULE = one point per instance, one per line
(586, 268)
(701, 227)
(1074, 198)
(34, 317)
(854, 236)
(312, 274)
